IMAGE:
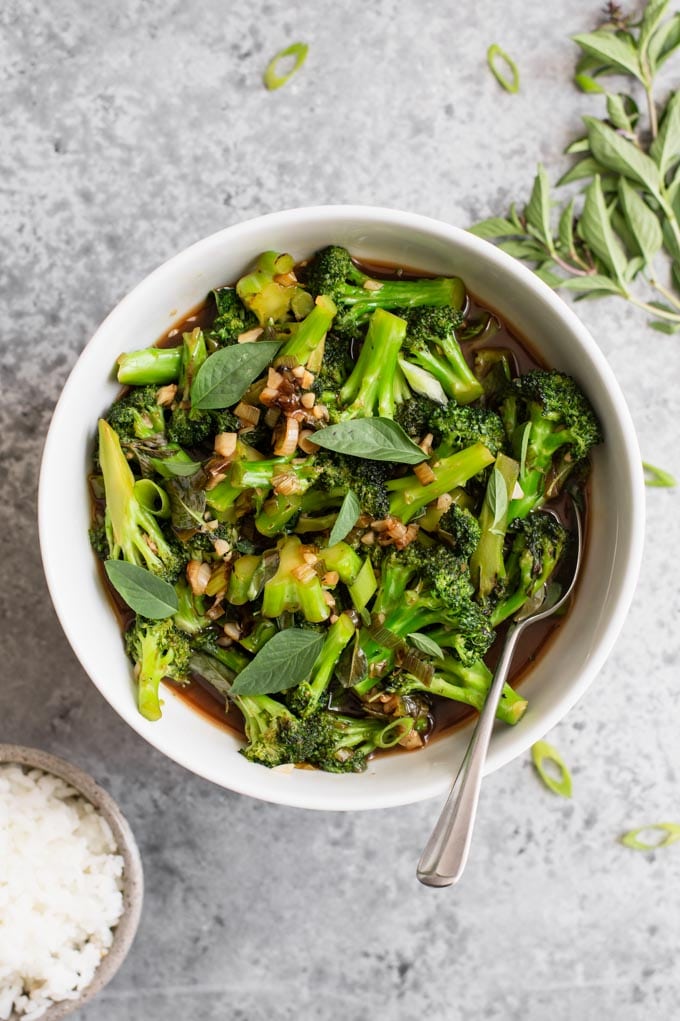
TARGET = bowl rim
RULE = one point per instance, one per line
(133, 874)
(512, 270)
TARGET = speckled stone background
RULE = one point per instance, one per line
(130, 128)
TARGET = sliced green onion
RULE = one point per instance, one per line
(394, 732)
(493, 53)
(152, 497)
(671, 829)
(658, 477)
(543, 753)
(273, 80)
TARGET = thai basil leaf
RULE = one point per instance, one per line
(538, 208)
(226, 375)
(596, 283)
(349, 512)
(585, 168)
(579, 145)
(143, 592)
(622, 157)
(566, 227)
(187, 505)
(665, 41)
(612, 50)
(426, 644)
(376, 439)
(287, 659)
(665, 149)
(175, 466)
(618, 113)
(595, 229)
(644, 224)
(497, 495)
(494, 227)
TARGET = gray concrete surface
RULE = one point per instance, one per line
(132, 128)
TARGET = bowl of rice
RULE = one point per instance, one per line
(71, 886)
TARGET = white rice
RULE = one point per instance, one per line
(60, 891)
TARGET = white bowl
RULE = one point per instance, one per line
(616, 513)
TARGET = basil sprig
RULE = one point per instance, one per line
(608, 241)
(142, 591)
(286, 660)
(226, 375)
(376, 439)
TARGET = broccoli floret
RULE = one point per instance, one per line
(492, 369)
(466, 684)
(536, 551)
(409, 496)
(340, 473)
(137, 415)
(552, 428)
(343, 744)
(296, 586)
(332, 272)
(336, 367)
(432, 344)
(133, 531)
(456, 427)
(99, 540)
(158, 649)
(232, 317)
(415, 415)
(190, 617)
(463, 528)
(189, 428)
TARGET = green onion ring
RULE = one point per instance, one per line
(657, 477)
(542, 752)
(493, 53)
(671, 829)
(271, 79)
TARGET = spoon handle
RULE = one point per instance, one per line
(446, 852)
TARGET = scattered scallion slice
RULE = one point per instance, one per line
(543, 753)
(271, 77)
(494, 54)
(657, 477)
(671, 829)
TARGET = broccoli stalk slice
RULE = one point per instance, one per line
(155, 365)
(310, 332)
(308, 523)
(134, 533)
(487, 566)
(259, 474)
(266, 291)
(370, 387)
(246, 579)
(159, 650)
(343, 559)
(194, 354)
(295, 586)
(260, 634)
(278, 514)
(410, 496)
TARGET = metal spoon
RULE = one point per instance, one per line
(446, 852)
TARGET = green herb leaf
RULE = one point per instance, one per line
(426, 644)
(579, 145)
(494, 227)
(622, 157)
(617, 111)
(143, 592)
(524, 448)
(287, 659)
(665, 41)
(497, 495)
(493, 55)
(588, 84)
(566, 228)
(271, 77)
(376, 439)
(651, 16)
(349, 512)
(663, 326)
(176, 466)
(594, 283)
(585, 168)
(226, 375)
(613, 51)
(665, 149)
(670, 829)
(644, 224)
(543, 753)
(187, 505)
(528, 249)
(657, 477)
(538, 208)
(595, 229)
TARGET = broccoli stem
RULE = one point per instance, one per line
(276, 514)
(486, 564)
(245, 580)
(438, 292)
(370, 385)
(310, 332)
(295, 586)
(476, 681)
(339, 634)
(150, 365)
(343, 559)
(410, 496)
